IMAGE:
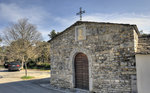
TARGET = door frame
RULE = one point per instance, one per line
(72, 58)
(77, 68)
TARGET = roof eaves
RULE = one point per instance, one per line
(80, 22)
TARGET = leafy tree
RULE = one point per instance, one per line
(1, 52)
(43, 51)
(143, 34)
(21, 38)
(53, 34)
(0, 39)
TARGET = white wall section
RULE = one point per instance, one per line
(143, 73)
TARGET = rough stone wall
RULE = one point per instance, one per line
(144, 45)
(111, 49)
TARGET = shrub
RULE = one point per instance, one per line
(45, 66)
(31, 64)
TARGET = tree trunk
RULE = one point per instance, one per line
(25, 63)
(22, 65)
(26, 74)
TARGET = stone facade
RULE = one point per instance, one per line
(110, 49)
(143, 45)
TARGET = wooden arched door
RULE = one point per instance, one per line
(81, 71)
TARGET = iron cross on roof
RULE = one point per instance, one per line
(80, 13)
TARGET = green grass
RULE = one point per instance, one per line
(27, 77)
(1, 66)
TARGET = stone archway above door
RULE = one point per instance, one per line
(74, 52)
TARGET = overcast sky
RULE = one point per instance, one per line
(60, 14)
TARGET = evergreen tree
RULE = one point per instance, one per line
(53, 34)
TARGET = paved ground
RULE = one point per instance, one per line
(24, 87)
(10, 82)
(13, 76)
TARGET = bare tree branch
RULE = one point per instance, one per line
(21, 38)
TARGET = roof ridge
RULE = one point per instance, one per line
(105, 23)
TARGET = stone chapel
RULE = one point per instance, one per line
(99, 57)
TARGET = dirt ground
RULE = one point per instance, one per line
(12, 76)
